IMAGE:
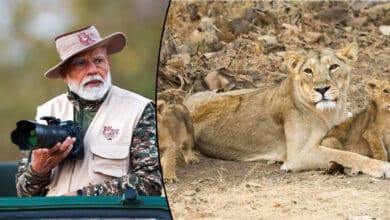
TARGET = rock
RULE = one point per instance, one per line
(239, 26)
(333, 15)
(379, 14)
(311, 37)
(270, 40)
(348, 29)
(209, 55)
(291, 27)
(357, 22)
(259, 16)
(385, 29)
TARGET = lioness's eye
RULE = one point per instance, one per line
(333, 67)
(386, 91)
(308, 71)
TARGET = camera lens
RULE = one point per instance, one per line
(32, 138)
(30, 135)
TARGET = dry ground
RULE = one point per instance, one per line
(217, 189)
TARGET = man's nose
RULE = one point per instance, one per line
(91, 68)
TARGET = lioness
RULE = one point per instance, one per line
(175, 133)
(366, 133)
(285, 123)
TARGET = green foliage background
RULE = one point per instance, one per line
(26, 55)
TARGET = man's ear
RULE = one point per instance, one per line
(349, 53)
(65, 79)
(292, 59)
(63, 75)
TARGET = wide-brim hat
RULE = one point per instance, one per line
(75, 42)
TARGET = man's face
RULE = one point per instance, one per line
(88, 74)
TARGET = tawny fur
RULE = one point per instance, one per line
(175, 133)
(285, 123)
(368, 132)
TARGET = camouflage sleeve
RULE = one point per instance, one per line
(144, 174)
(28, 182)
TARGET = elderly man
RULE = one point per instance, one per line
(118, 127)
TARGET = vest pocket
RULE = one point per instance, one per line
(110, 160)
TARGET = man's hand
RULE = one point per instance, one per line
(45, 159)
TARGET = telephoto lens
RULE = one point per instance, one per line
(32, 139)
(30, 135)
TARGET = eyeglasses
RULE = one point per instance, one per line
(80, 63)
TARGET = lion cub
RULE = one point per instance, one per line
(175, 132)
(367, 133)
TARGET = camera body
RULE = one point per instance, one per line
(30, 135)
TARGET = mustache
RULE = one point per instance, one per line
(92, 78)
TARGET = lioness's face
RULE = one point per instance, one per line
(385, 96)
(320, 76)
(380, 93)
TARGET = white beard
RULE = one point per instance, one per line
(90, 93)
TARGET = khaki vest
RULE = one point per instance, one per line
(106, 142)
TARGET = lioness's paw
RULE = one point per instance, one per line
(169, 175)
(386, 173)
(284, 167)
(170, 179)
(382, 170)
(191, 158)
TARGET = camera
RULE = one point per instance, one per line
(30, 135)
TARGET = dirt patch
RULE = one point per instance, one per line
(233, 45)
(217, 189)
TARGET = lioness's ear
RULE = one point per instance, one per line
(372, 86)
(349, 53)
(160, 105)
(292, 59)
